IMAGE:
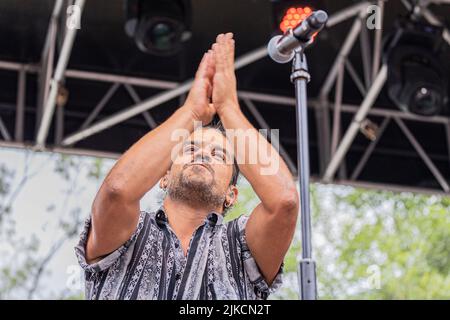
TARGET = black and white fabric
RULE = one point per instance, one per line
(152, 265)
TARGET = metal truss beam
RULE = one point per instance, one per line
(47, 60)
(372, 75)
(351, 132)
(49, 106)
(362, 162)
(20, 109)
(276, 143)
(434, 170)
(154, 101)
(315, 179)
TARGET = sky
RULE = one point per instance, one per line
(41, 202)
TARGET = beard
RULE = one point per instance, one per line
(195, 188)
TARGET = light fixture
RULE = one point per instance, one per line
(417, 72)
(158, 26)
(293, 16)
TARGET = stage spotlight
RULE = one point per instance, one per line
(158, 26)
(293, 16)
(418, 75)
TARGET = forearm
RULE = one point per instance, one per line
(269, 169)
(141, 166)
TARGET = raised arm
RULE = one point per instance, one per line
(115, 211)
(270, 228)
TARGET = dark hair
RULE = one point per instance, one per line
(218, 126)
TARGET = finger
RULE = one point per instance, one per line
(230, 49)
(201, 70)
(227, 49)
(208, 72)
(207, 66)
(219, 47)
(219, 37)
(232, 53)
(211, 69)
(218, 57)
(223, 52)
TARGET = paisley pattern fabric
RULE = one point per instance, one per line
(152, 265)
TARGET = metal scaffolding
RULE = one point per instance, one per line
(333, 141)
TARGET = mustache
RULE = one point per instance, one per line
(207, 166)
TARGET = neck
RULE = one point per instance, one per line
(184, 218)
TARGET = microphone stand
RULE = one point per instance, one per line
(294, 47)
(282, 49)
(307, 266)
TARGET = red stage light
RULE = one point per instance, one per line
(293, 17)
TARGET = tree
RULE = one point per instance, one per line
(25, 259)
(377, 245)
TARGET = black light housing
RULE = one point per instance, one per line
(417, 74)
(158, 26)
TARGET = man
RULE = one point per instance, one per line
(184, 250)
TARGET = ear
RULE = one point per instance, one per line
(164, 182)
(232, 194)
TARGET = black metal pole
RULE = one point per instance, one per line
(282, 49)
(307, 266)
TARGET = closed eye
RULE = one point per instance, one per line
(219, 154)
(189, 148)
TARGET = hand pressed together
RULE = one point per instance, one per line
(215, 81)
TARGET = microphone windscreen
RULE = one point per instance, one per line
(275, 54)
(318, 19)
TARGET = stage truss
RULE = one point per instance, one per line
(333, 141)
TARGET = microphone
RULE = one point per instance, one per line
(281, 48)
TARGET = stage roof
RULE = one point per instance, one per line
(106, 75)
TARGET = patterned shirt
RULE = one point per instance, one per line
(152, 265)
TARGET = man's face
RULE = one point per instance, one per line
(202, 171)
